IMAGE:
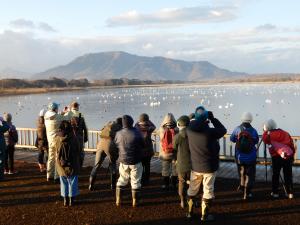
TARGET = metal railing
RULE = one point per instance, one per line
(27, 138)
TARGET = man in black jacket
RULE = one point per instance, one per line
(130, 143)
(204, 148)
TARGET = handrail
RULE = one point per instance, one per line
(27, 137)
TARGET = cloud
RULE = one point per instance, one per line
(176, 16)
(266, 27)
(24, 24)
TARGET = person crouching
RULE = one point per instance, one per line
(68, 162)
(130, 143)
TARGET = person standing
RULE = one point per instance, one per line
(245, 137)
(107, 148)
(146, 127)
(11, 139)
(204, 149)
(182, 157)
(167, 131)
(79, 126)
(130, 144)
(282, 151)
(3, 128)
(52, 123)
(41, 141)
(67, 147)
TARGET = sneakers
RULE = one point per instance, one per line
(290, 196)
(12, 172)
(275, 195)
(5, 171)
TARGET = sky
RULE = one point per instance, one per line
(253, 36)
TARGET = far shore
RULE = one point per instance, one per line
(24, 91)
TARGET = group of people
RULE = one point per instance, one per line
(189, 152)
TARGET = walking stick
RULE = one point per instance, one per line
(266, 165)
(283, 185)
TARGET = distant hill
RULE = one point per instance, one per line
(115, 65)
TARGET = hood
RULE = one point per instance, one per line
(49, 115)
(169, 120)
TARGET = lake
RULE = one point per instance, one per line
(228, 102)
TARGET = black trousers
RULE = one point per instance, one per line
(247, 175)
(279, 163)
(146, 161)
(9, 158)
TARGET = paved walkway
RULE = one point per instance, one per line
(226, 170)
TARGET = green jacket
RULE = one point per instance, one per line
(182, 152)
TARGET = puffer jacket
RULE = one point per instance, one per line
(182, 152)
(168, 122)
(60, 142)
(11, 136)
(245, 158)
(41, 139)
(204, 145)
(146, 130)
(130, 143)
(106, 143)
(278, 135)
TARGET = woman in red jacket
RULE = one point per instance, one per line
(271, 136)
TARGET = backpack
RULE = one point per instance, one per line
(75, 122)
(65, 155)
(167, 140)
(244, 142)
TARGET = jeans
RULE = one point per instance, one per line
(100, 156)
(69, 186)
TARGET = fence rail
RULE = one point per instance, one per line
(27, 138)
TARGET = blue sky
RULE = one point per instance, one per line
(254, 36)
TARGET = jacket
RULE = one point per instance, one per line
(168, 122)
(11, 136)
(81, 129)
(146, 130)
(241, 157)
(204, 145)
(106, 143)
(280, 136)
(130, 143)
(61, 142)
(3, 128)
(52, 123)
(41, 138)
(182, 152)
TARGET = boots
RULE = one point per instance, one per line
(71, 201)
(206, 205)
(118, 196)
(92, 183)
(166, 183)
(135, 197)
(113, 180)
(190, 204)
(66, 201)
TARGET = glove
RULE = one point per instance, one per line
(210, 115)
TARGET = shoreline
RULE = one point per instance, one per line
(25, 91)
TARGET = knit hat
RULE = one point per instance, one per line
(53, 106)
(201, 113)
(183, 121)
(270, 125)
(7, 117)
(144, 117)
(247, 117)
(42, 112)
(127, 121)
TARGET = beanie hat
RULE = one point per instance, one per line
(270, 125)
(127, 121)
(53, 106)
(42, 112)
(7, 117)
(247, 117)
(144, 117)
(201, 113)
(183, 121)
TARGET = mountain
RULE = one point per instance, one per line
(11, 73)
(110, 65)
